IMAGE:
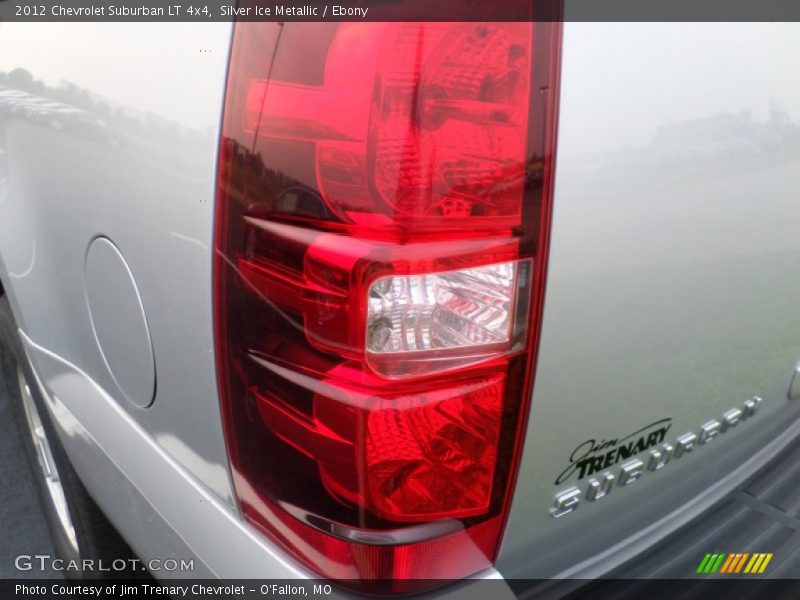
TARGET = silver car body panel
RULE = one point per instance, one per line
(672, 288)
(672, 285)
(127, 150)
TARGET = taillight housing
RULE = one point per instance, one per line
(382, 224)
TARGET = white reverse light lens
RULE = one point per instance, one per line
(467, 308)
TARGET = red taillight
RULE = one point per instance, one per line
(382, 228)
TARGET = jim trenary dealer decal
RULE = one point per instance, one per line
(597, 460)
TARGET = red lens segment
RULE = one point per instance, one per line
(449, 127)
(382, 228)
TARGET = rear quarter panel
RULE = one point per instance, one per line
(111, 129)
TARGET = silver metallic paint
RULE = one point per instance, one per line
(119, 323)
(119, 139)
(672, 287)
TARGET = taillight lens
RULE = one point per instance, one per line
(382, 225)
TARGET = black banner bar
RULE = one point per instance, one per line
(398, 10)
(730, 588)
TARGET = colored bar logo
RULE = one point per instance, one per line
(734, 562)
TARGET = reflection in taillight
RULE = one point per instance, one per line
(381, 248)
